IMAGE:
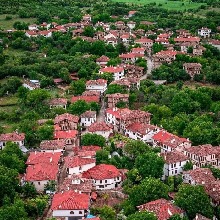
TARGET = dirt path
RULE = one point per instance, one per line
(149, 68)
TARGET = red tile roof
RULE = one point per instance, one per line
(65, 134)
(58, 101)
(212, 188)
(85, 98)
(76, 182)
(162, 208)
(101, 172)
(201, 175)
(202, 150)
(102, 59)
(187, 39)
(70, 200)
(173, 157)
(66, 116)
(52, 145)
(75, 161)
(143, 40)
(43, 157)
(141, 128)
(168, 139)
(100, 82)
(138, 50)
(41, 171)
(91, 148)
(99, 126)
(12, 137)
(112, 69)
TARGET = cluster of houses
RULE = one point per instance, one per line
(125, 32)
(77, 189)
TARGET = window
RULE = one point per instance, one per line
(100, 181)
(38, 183)
(80, 212)
(105, 181)
(72, 212)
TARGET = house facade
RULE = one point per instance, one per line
(118, 72)
(15, 137)
(104, 176)
(87, 118)
(174, 163)
(99, 85)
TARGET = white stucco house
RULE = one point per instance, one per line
(204, 32)
(174, 163)
(15, 137)
(118, 72)
(104, 176)
(99, 85)
(101, 128)
(141, 131)
(70, 205)
(77, 165)
(87, 118)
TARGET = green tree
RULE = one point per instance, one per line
(135, 148)
(51, 186)
(153, 167)
(78, 107)
(105, 212)
(13, 211)
(157, 47)
(93, 139)
(13, 84)
(45, 132)
(89, 31)
(8, 183)
(115, 88)
(29, 190)
(142, 216)
(78, 87)
(193, 199)
(102, 157)
(150, 189)
(188, 166)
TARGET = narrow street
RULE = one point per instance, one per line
(149, 68)
(101, 115)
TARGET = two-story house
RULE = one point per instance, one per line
(99, 85)
(174, 162)
(104, 176)
(87, 118)
(101, 128)
(118, 72)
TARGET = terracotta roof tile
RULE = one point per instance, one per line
(101, 172)
(99, 126)
(162, 208)
(52, 144)
(75, 161)
(70, 200)
(85, 98)
(66, 116)
(12, 137)
(65, 134)
(173, 157)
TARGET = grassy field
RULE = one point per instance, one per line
(171, 5)
(8, 24)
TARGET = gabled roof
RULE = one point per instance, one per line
(57, 101)
(65, 134)
(43, 157)
(88, 114)
(70, 200)
(41, 171)
(52, 144)
(66, 116)
(99, 126)
(112, 69)
(141, 128)
(100, 82)
(203, 150)
(85, 98)
(201, 176)
(162, 208)
(15, 136)
(173, 157)
(101, 172)
(103, 58)
(75, 161)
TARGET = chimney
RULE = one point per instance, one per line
(214, 189)
(169, 212)
(51, 159)
(79, 192)
(35, 152)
